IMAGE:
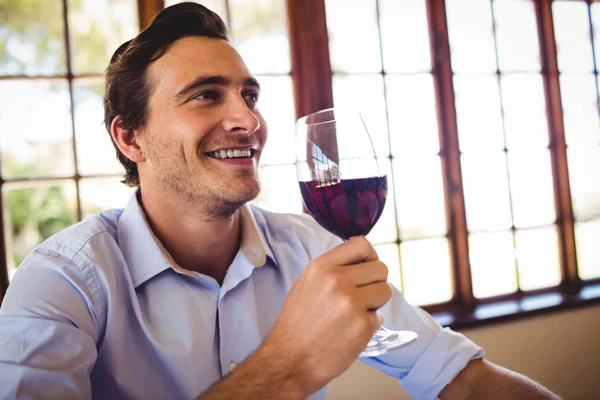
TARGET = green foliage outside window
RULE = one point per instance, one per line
(32, 43)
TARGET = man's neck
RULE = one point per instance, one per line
(195, 241)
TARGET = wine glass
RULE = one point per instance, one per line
(343, 188)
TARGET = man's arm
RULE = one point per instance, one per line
(483, 380)
(47, 332)
(327, 319)
(267, 374)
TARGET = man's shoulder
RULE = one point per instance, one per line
(80, 237)
(69, 266)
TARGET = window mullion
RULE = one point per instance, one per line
(309, 53)
(3, 261)
(558, 148)
(72, 101)
(450, 154)
(147, 9)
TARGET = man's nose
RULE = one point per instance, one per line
(239, 117)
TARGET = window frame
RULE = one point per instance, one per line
(312, 86)
(145, 10)
(464, 309)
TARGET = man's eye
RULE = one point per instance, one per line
(206, 96)
(252, 96)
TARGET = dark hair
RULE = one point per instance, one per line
(127, 90)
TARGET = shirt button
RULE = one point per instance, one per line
(231, 366)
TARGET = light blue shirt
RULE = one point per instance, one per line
(101, 311)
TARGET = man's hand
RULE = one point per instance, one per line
(327, 319)
(330, 313)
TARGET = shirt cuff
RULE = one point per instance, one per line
(430, 374)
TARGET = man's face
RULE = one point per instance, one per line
(204, 134)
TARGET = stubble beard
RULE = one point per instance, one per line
(212, 199)
(209, 195)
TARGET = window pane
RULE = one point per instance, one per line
(279, 189)
(588, 256)
(96, 29)
(492, 258)
(32, 40)
(524, 111)
(35, 129)
(419, 196)
(572, 33)
(388, 253)
(479, 114)
(276, 104)
(516, 35)
(95, 152)
(385, 231)
(353, 47)
(259, 32)
(531, 188)
(538, 258)
(217, 6)
(471, 35)
(412, 114)
(487, 200)
(365, 92)
(99, 194)
(584, 174)
(422, 260)
(404, 35)
(33, 212)
(580, 109)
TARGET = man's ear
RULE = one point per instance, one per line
(126, 140)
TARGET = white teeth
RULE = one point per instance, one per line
(232, 153)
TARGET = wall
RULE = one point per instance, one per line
(560, 350)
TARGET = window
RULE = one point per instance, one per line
(396, 92)
(485, 112)
(57, 161)
(577, 27)
(468, 104)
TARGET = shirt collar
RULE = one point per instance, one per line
(254, 244)
(146, 257)
(143, 257)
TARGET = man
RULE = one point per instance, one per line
(191, 292)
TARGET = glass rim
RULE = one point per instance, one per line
(342, 110)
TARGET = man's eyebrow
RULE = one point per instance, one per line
(219, 80)
(203, 81)
(251, 81)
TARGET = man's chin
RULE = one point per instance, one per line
(227, 206)
(247, 197)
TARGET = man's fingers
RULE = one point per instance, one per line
(366, 273)
(353, 251)
(374, 296)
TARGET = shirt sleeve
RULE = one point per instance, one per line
(48, 331)
(427, 365)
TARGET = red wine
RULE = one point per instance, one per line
(348, 208)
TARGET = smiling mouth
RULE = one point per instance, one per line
(232, 153)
